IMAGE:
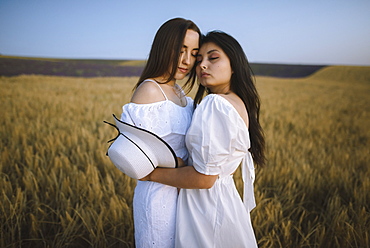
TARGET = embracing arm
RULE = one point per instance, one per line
(185, 177)
(212, 120)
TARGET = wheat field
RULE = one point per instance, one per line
(59, 189)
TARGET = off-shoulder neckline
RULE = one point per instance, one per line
(163, 101)
(217, 96)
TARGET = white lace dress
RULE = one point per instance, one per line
(155, 204)
(218, 142)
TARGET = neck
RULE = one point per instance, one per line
(222, 90)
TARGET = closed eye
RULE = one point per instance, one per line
(194, 52)
(199, 58)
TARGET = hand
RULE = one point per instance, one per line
(180, 163)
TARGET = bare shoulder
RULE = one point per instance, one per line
(238, 105)
(147, 92)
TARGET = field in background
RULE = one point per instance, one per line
(58, 189)
(14, 66)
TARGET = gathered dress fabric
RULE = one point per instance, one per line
(218, 142)
(154, 204)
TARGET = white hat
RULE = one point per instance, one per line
(137, 152)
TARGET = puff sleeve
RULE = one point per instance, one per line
(218, 142)
(213, 137)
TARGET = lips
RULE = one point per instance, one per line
(204, 74)
(183, 70)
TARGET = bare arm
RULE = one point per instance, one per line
(185, 177)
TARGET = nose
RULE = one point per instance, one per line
(202, 65)
(186, 56)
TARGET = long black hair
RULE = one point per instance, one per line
(165, 51)
(241, 83)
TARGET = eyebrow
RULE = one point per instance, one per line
(211, 51)
(188, 47)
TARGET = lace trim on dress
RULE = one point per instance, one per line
(161, 118)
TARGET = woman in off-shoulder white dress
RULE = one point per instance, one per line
(154, 203)
(224, 133)
(160, 106)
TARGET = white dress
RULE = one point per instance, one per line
(154, 204)
(218, 142)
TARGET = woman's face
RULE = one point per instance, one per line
(188, 54)
(213, 68)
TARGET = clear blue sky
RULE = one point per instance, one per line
(270, 31)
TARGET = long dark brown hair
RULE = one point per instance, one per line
(241, 83)
(165, 51)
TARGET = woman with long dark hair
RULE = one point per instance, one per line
(159, 105)
(225, 132)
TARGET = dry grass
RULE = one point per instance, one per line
(58, 189)
(314, 192)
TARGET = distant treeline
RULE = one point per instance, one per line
(13, 66)
(70, 68)
(284, 70)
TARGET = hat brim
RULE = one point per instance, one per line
(137, 151)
